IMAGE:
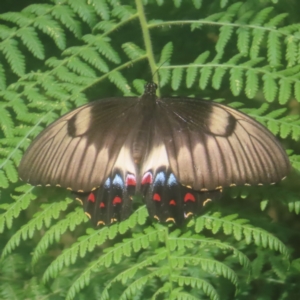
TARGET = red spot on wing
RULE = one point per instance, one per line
(102, 205)
(130, 180)
(117, 200)
(91, 197)
(172, 202)
(189, 197)
(147, 178)
(156, 197)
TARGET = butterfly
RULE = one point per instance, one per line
(178, 153)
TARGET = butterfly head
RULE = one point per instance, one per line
(150, 89)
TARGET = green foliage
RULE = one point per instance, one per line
(57, 55)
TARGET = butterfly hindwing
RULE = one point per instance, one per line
(112, 201)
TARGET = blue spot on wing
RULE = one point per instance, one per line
(107, 183)
(160, 178)
(171, 180)
(118, 181)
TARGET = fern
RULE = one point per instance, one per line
(57, 55)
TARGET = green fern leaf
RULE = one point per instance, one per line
(14, 57)
(20, 19)
(224, 37)
(2, 77)
(252, 82)
(285, 90)
(120, 81)
(291, 51)
(166, 54)
(197, 3)
(277, 20)
(270, 87)
(133, 51)
(103, 46)
(176, 78)
(123, 12)
(218, 76)
(91, 56)
(223, 3)
(192, 71)
(3, 180)
(67, 17)
(243, 40)
(297, 90)
(101, 8)
(274, 49)
(10, 171)
(81, 68)
(236, 81)
(205, 74)
(258, 38)
(53, 29)
(30, 39)
(37, 9)
(85, 11)
(106, 26)
(262, 16)
(6, 122)
(54, 233)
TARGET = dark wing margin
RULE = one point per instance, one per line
(79, 150)
(210, 145)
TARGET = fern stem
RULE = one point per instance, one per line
(215, 23)
(147, 40)
(169, 256)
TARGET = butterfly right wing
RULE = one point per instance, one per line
(211, 146)
(167, 199)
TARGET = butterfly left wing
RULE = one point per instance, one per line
(88, 151)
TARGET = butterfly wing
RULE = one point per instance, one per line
(88, 151)
(79, 150)
(210, 145)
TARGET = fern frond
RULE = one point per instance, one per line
(85, 11)
(201, 284)
(240, 230)
(133, 51)
(50, 211)
(14, 56)
(22, 202)
(66, 16)
(55, 232)
(91, 240)
(101, 8)
(103, 46)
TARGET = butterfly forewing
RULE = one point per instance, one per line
(177, 152)
(79, 150)
(219, 147)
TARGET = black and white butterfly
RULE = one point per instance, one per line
(177, 152)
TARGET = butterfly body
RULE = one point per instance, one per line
(178, 153)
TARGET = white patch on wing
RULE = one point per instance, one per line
(218, 120)
(185, 166)
(157, 158)
(125, 161)
(83, 121)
